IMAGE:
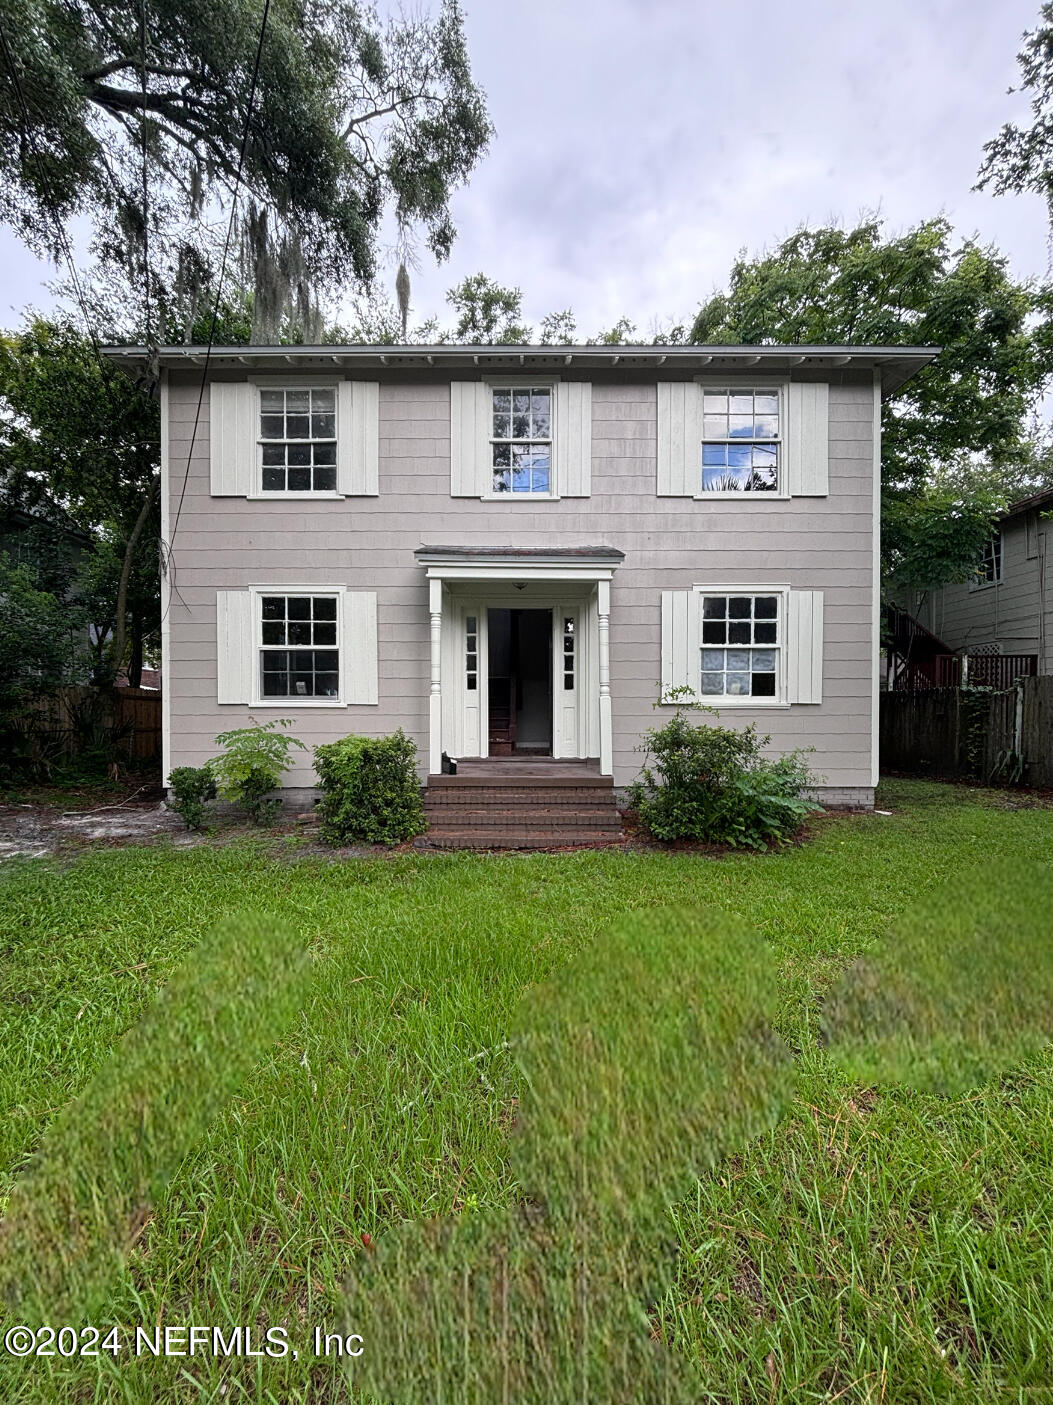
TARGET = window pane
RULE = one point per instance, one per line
(502, 480)
(741, 402)
(766, 607)
(568, 682)
(272, 427)
(273, 632)
(714, 607)
(740, 607)
(502, 402)
(764, 632)
(470, 623)
(740, 426)
(715, 402)
(502, 426)
(766, 427)
(712, 659)
(324, 633)
(740, 456)
(273, 454)
(521, 426)
(299, 607)
(763, 661)
(299, 454)
(275, 685)
(323, 400)
(274, 607)
(273, 401)
(326, 685)
(767, 403)
(297, 427)
(712, 684)
(299, 480)
(764, 685)
(471, 683)
(540, 413)
(714, 455)
(739, 632)
(714, 632)
(738, 660)
(323, 426)
(274, 480)
(325, 660)
(738, 685)
(324, 607)
(300, 632)
(520, 402)
(502, 455)
(715, 426)
(325, 480)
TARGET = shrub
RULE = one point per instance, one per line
(190, 787)
(252, 764)
(370, 789)
(711, 783)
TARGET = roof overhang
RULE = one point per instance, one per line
(510, 563)
(895, 363)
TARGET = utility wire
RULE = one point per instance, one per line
(146, 190)
(222, 271)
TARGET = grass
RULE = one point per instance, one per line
(875, 1247)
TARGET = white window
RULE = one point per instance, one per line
(521, 440)
(299, 656)
(741, 439)
(740, 646)
(989, 567)
(297, 439)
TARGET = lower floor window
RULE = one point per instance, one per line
(740, 646)
(299, 657)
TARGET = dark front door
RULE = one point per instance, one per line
(520, 659)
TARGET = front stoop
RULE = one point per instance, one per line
(520, 812)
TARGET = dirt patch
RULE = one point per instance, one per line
(34, 830)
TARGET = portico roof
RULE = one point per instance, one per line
(511, 562)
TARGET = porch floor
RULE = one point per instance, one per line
(520, 767)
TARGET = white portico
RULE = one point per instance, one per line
(520, 657)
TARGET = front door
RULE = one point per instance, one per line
(519, 657)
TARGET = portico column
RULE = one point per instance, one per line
(435, 693)
(603, 601)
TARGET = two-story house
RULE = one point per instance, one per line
(517, 552)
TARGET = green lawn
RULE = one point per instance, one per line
(874, 1248)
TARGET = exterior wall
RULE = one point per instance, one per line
(824, 543)
(1015, 612)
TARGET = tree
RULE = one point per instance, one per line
(841, 287)
(487, 313)
(1021, 158)
(78, 440)
(138, 120)
(37, 642)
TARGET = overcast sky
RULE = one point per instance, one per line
(641, 143)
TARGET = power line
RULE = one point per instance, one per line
(146, 191)
(222, 270)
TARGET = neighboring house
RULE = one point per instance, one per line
(1008, 608)
(516, 551)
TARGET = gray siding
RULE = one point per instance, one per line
(368, 543)
(1016, 612)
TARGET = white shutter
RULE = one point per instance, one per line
(470, 471)
(807, 438)
(679, 439)
(680, 658)
(359, 647)
(358, 438)
(573, 476)
(804, 646)
(235, 646)
(232, 438)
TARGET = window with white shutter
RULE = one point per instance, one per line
(294, 437)
(304, 646)
(522, 438)
(742, 646)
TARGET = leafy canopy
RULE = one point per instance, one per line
(1019, 158)
(351, 116)
(833, 286)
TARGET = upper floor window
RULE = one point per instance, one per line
(989, 566)
(521, 440)
(741, 435)
(298, 440)
(740, 646)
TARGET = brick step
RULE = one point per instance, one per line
(522, 817)
(517, 839)
(536, 795)
(446, 784)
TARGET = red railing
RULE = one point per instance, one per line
(967, 670)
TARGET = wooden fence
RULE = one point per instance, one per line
(71, 720)
(972, 733)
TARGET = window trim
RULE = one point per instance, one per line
(735, 700)
(504, 382)
(780, 384)
(293, 382)
(978, 582)
(257, 592)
